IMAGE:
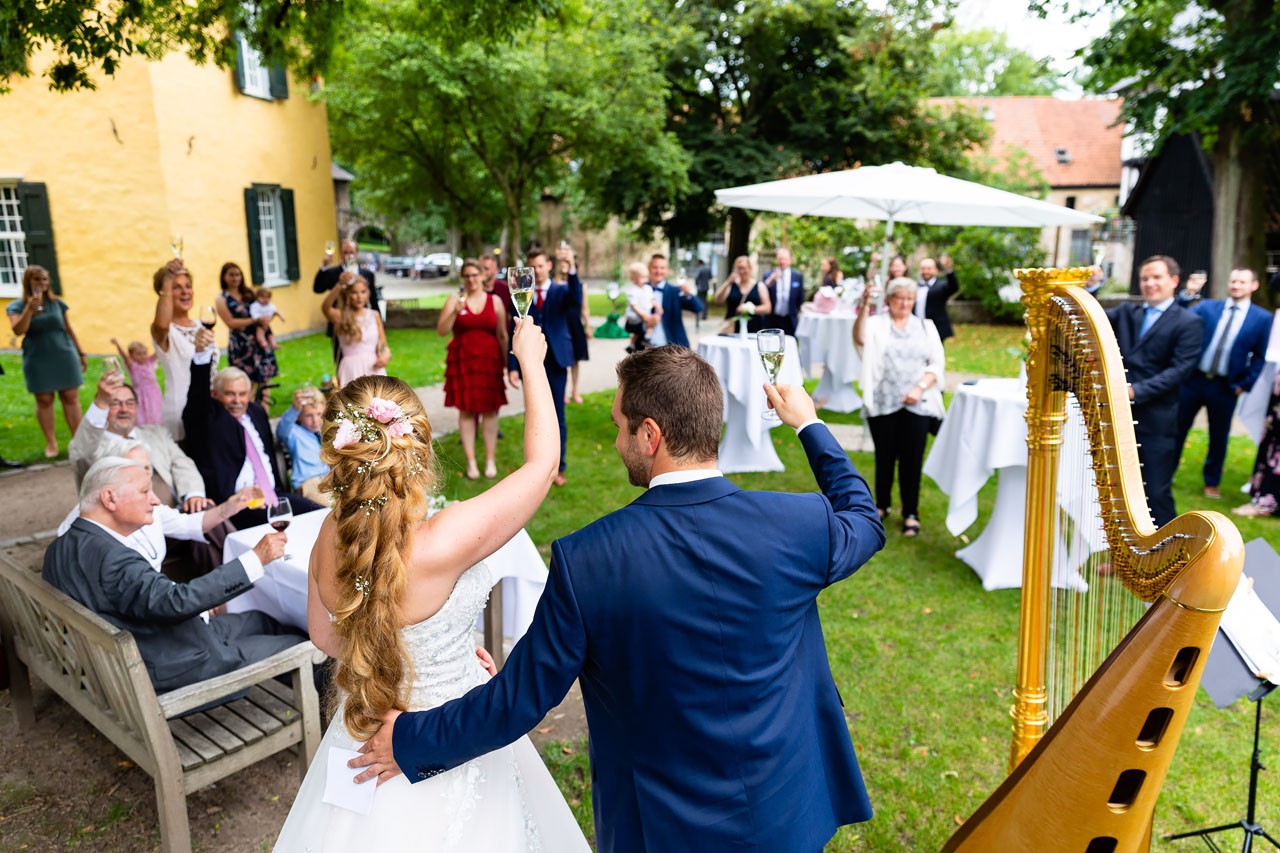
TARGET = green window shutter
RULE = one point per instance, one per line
(33, 201)
(290, 237)
(255, 240)
(240, 62)
(279, 82)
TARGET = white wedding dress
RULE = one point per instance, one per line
(504, 801)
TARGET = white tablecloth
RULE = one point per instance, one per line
(1252, 408)
(746, 445)
(282, 592)
(985, 431)
(828, 338)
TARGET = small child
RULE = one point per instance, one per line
(142, 376)
(299, 432)
(641, 302)
(262, 308)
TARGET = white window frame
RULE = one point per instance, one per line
(257, 76)
(13, 241)
(271, 237)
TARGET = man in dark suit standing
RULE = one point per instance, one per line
(327, 279)
(1160, 343)
(786, 292)
(674, 299)
(715, 721)
(1233, 351)
(230, 438)
(552, 306)
(931, 298)
(93, 564)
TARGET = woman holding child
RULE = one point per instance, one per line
(244, 345)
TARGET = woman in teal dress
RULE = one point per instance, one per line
(52, 360)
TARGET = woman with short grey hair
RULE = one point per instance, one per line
(902, 374)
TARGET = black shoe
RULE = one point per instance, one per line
(5, 463)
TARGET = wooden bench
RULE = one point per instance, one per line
(97, 669)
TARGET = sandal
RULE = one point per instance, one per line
(1251, 510)
(490, 469)
(473, 473)
(910, 526)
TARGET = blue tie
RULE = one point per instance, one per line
(1148, 321)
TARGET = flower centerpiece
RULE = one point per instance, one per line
(746, 311)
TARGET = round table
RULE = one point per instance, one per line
(985, 431)
(828, 338)
(746, 445)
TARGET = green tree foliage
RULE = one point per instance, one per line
(983, 63)
(761, 91)
(482, 127)
(1209, 68)
(87, 36)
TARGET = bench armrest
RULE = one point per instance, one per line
(302, 656)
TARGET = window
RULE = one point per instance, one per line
(13, 242)
(1081, 247)
(255, 78)
(273, 235)
(26, 235)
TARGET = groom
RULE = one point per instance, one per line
(715, 722)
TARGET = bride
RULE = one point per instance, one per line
(394, 598)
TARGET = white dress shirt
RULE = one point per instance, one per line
(922, 297)
(658, 335)
(692, 475)
(782, 305)
(148, 540)
(1236, 318)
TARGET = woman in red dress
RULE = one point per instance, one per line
(476, 365)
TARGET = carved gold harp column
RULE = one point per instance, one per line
(1117, 617)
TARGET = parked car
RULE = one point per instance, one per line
(397, 265)
(440, 263)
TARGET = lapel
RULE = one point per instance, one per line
(686, 494)
(1140, 314)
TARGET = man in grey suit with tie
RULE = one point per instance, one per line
(93, 564)
(1235, 337)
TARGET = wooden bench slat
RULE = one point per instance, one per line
(187, 756)
(183, 733)
(273, 706)
(255, 716)
(281, 691)
(236, 724)
(210, 728)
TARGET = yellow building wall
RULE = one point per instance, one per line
(186, 144)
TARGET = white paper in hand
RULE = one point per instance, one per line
(340, 789)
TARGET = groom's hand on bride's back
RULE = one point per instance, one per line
(377, 755)
(792, 403)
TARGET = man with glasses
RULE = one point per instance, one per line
(115, 410)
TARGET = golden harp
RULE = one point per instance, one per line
(1092, 742)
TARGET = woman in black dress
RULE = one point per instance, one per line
(741, 287)
(243, 350)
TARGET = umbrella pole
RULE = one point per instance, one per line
(884, 261)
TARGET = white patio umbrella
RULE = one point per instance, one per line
(900, 193)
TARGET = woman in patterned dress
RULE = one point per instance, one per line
(243, 349)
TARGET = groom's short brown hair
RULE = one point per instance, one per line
(681, 392)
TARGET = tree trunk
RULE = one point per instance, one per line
(739, 233)
(1239, 218)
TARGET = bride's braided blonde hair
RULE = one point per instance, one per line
(377, 442)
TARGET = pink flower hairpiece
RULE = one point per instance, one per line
(359, 424)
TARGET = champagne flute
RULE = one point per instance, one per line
(279, 516)
(175, 243)
(771, 344)
(520, 281)
(111, 367)
(329, 247)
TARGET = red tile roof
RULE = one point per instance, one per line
(1038, 125)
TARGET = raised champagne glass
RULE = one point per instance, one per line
(520, 281)
(111, 367)
(280, 516)
(771, 345)
(175, 244)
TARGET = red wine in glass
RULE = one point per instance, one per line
(208, 317)
(280, 524)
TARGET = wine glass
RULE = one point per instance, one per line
(175, 243)
(111, 367)
(208, 317)
(279, 516)
(329, 247)
(520, 281)
(771, 343)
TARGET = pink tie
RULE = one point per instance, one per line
(261, 478)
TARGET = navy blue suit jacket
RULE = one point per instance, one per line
(715, 721)
(1158, 362)
(1248, 351)
(673, 302)
(797, 294)
(561, 301)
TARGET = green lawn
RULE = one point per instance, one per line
(923, 656)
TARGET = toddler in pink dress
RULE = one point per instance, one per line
(142, 376)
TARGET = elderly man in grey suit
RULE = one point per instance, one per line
(115, 410)
(94, 565)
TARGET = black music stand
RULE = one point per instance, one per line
(1227, 678)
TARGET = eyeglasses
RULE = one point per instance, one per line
(123, 404)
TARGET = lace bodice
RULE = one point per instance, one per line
(442, 649)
